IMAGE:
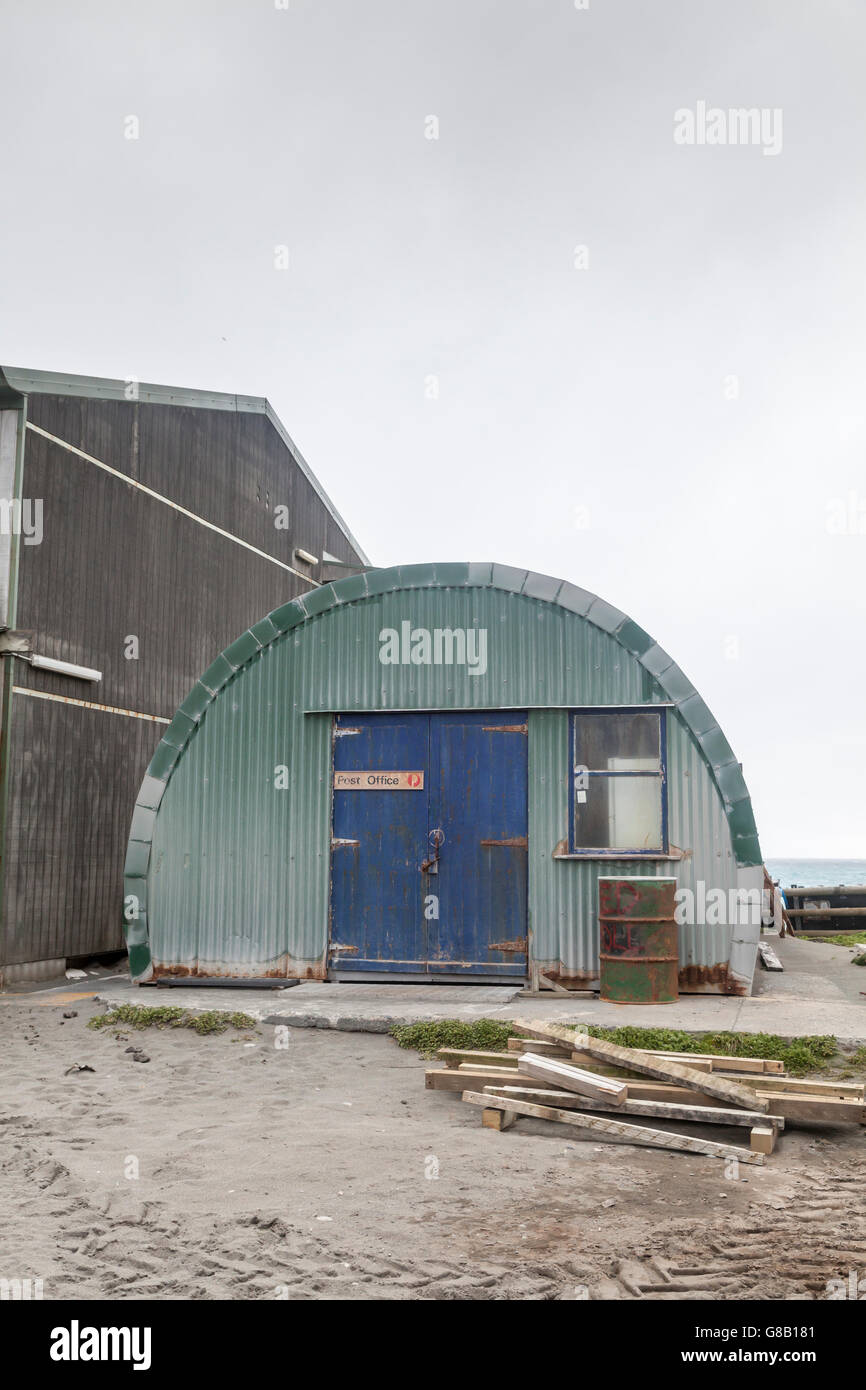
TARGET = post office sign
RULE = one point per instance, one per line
(374, 781)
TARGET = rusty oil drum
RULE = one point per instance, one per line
(639, 950)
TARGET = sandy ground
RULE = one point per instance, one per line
(325, 1170)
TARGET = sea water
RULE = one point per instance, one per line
(815, 873)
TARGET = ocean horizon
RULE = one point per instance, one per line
(814, 873)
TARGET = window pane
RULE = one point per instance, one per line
(620, 813)
(602, 739)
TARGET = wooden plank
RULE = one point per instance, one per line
(769, 959)
(498, 1119)
(508, 1068)
(727, 1066)
(656, 1090)
(752, 1077)
(458, 1078)
(696, 1063)
(794, 1106)
(615, 1129)
(815, 1109)
(572, 1078)
(539, 1045)
(841, 1090)
(564, 1052)
(658, 1109)
(762, 1139)
(720, 1062)
(599, 1068)
(731, 1092)
(455, 1056)
(553, 985)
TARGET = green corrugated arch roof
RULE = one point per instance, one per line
(671, 681)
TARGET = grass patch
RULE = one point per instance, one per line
(482, 1034)
(848, 938)
(168, 1016)
(799, 1055)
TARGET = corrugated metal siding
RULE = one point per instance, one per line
(563, 894)
(240, 868)
(74, 774)
(113, 562)
(239, 871)
(698, 825)
(545, 653)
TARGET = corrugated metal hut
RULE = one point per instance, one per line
(420, 773)
(141, 528)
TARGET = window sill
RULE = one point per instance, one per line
(650, 858)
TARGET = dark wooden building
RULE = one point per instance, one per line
(141, 528)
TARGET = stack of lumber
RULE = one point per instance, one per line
(554, 1073)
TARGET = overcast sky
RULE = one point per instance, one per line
(672, 416)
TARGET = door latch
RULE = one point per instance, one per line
(437, 840)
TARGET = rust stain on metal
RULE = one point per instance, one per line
(505, 728)
(517, 946)
(286, 969)
(319, 971)
(519, 842)
(638, 951)
(711, 979)
(569, 979)
(336, 949)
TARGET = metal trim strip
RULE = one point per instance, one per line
(87, 704)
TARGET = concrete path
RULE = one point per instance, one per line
(819, 992)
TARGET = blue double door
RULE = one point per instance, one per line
(429, 865)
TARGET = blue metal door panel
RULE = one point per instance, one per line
(377, 918)
(478, 797)
(433, 880)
